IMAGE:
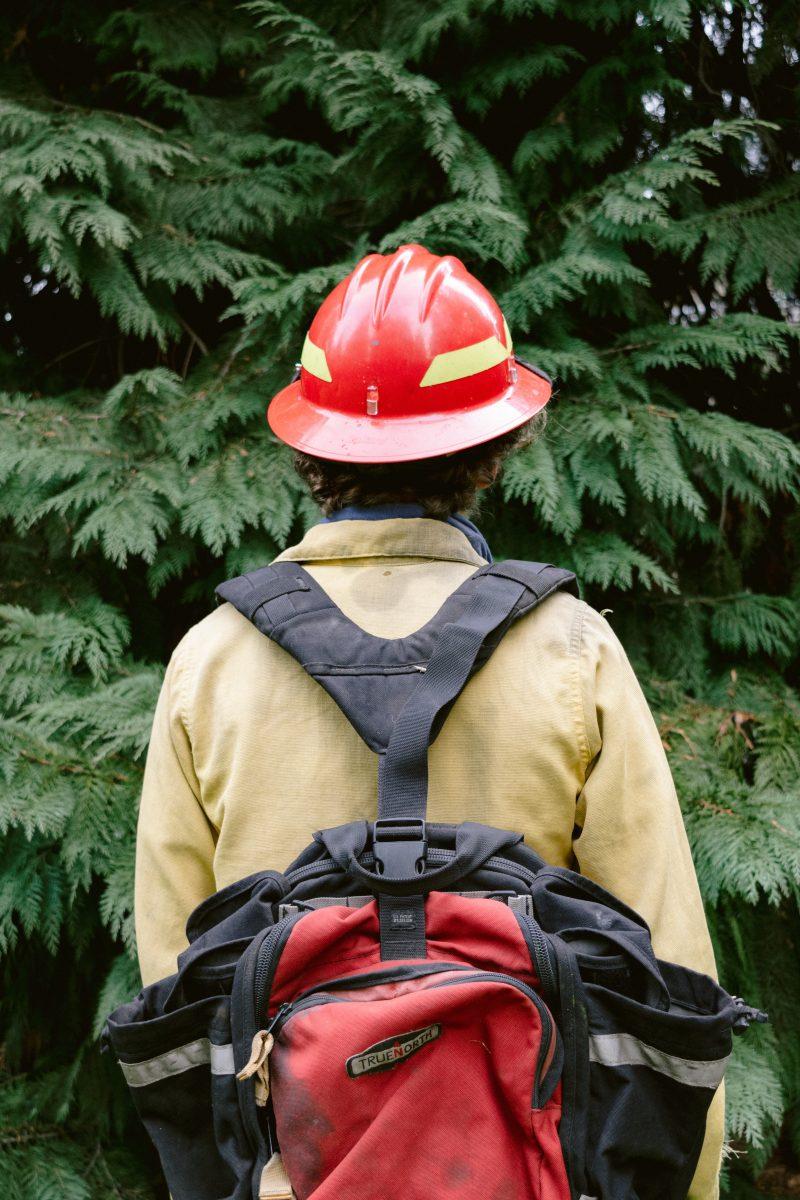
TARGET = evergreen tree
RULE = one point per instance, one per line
(181, 185)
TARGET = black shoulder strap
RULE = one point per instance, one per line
(504, 591)
(395, 692)
(262, 595)
(369, 678)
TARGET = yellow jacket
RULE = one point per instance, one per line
(553, 738)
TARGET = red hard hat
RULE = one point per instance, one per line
(409, 357)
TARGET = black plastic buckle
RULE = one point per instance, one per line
(399, 846)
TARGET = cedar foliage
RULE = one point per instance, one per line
(181, 184)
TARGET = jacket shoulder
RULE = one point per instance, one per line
(217, 635)
(563, 620)
(561, 607)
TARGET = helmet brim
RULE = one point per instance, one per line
(342, 437)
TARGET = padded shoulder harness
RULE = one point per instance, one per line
(370, 678)
(396, 692)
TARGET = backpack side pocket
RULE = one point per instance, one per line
(180, 1069)
(652, 1077)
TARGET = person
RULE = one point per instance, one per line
(406, 403)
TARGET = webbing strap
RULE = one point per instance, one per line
(517, 904)
(403, 775)
(402, 926)
(249, 593)
(270, 591)
(274, 1183)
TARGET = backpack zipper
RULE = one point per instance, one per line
(263, 1040)
(267, 956)
(548, 1043)
(388, 975)
(323, 670)
(255, 963)
(540, 952)
(316, 997)
(383, 975)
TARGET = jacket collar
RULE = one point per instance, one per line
(402, 537)
(382, 512)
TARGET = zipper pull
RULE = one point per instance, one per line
(279, 1015)
(258, 1065)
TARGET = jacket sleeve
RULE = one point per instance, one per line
(630, 836)
(175, 840)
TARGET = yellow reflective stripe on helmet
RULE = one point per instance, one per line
(470, 360)
(314, 361)
(509, 344)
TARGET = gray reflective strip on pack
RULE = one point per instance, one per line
(182, 1058)
(624, 1050)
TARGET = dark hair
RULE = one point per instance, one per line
(443, 485)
